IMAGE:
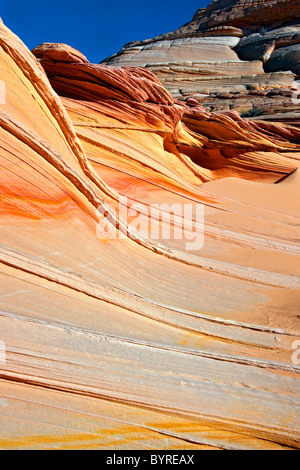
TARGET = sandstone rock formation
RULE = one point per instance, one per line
(233, 56)
(111, 338)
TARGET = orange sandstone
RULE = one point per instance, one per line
(131, 342)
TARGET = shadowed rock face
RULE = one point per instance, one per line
(278, 48)
(231, 56)
(113, 336)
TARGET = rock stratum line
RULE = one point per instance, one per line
(131, 342)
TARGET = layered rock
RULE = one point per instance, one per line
(136, 92)
(243, 14)
(113, 338)
(233, 56)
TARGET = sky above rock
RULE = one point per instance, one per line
(96, 28)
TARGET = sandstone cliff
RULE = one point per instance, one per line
(233, 55)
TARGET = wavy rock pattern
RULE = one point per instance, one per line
(131, 342)
(233, 56)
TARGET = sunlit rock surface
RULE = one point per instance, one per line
(236, 55)
(111, 338)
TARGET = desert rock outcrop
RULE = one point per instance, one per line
(233, 56)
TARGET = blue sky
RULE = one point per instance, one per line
(96, 28)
